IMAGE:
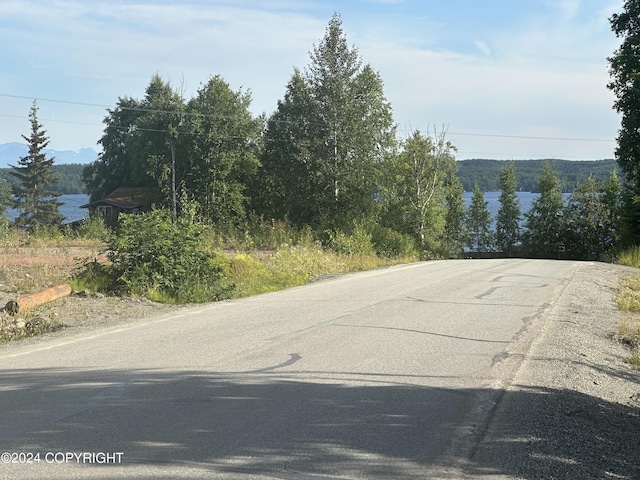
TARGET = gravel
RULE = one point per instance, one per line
(572, 409)
(83, 313)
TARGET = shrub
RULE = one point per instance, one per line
(359, 242)
(151, 257)
(392, 244)
(93, 227)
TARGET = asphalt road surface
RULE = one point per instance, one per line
(376, 375)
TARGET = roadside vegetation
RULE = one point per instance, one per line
(629, 303)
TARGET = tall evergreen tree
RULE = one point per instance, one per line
(508, 216)
(455, 218)
(625, 84)
(333, 132)
(478, 223)
(37, 204)
(544, 229)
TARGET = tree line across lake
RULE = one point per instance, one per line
(69, 178)
(486, 173)
(483, 172)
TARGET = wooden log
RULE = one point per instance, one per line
(21, 304)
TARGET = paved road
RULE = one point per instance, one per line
(371, 375)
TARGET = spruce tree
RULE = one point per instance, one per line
(508, 217)
(479, 223)
(544, 226)
(37, 205)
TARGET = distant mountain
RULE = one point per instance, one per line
(10, 153)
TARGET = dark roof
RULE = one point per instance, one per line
(125, 198)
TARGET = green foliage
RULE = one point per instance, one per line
(325, 145)
(418, 182)
(391, 244)
(630, 257)
(625, 84)
(95, 277)
(544, 227)
(206, 147)
(590, 219)
(358, 242)
(508, 218)
(69, 179)
(455, 230)
(37, 204)
(486, 173)
(478, 223)
(93, 227)
(149, 256)
(253, 277)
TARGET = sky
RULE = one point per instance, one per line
(505, 79)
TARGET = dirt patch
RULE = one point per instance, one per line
(25, 270)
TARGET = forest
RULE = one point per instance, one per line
(69, 178)
(486, 173)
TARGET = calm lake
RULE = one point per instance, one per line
(70, 208)
(72, 211)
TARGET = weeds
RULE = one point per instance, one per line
(19, 329)
(628, 331)
(630, 257)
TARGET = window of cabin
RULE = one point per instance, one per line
(106, 211)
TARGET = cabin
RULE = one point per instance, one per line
(122, 200)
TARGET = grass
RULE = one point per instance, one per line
(628, 301)
(292, 266)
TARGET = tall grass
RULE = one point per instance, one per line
(630, 257)
(291, 266)
(628, 300)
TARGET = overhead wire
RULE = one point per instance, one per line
(143, 109)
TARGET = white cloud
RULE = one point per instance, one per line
(483, 47)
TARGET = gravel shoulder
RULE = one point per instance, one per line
(572, 409)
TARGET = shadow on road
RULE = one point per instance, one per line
(297, 424)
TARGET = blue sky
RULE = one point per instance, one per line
(507, 79)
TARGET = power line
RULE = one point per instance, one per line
(181, 113)
(527, 137)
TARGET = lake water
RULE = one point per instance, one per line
(526, 199)
(72, 211)
(70, 208)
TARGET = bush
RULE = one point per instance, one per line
(391, 244)
(359, 242)
(93, 227)
(151, 257)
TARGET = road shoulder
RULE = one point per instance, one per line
(572, 409)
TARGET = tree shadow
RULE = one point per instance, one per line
(304, 425)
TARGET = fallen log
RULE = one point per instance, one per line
(14, 307)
